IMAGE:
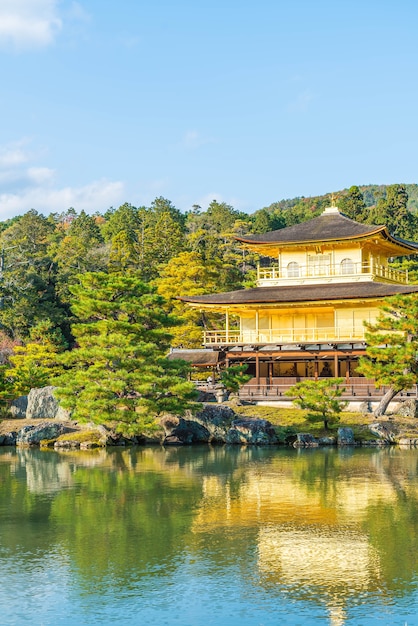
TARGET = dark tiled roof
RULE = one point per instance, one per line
(196, 357)
(326, 227)
(304, 293)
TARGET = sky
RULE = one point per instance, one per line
(246, 102)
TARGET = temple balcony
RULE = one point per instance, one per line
(295, 274)
(282, 336)
(355, 389)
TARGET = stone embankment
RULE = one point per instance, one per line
(38, 420)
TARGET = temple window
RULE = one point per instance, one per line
(347, 266)
(293, 269)
(319, 264)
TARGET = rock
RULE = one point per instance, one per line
(8, 439)
(366, 407)
(408, 442)
(386, 432)
(18, 407)
(327, 441)
(180, 431)
(43, 405)
(345, 437)
(33, 435)
(216, 424)
(408, 408)
(305, 440)
(251, 431)
(64, 444)
(216, 420)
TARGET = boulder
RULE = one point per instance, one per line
(180, 431)
(43, 405)
(32, 435)
(327, 441)
(386, 432)
(251, 432)
(216, 424)
(408, 442)
(18, 407)
(305, 440)
(408, 408)
(345, 437)
(8, 439)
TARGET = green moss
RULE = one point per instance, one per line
(82, 436)
(47, 443)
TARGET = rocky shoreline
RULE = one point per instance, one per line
(38, 420)
(214, 424)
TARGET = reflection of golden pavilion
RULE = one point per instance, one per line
(311, 538)
(323, 557)
(332, 563)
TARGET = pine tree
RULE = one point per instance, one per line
(322, 399)
(392, 347)
(119, 371)
(352, 204)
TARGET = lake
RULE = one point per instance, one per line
(209, 536)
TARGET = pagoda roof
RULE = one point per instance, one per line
(331, 225)
(303, 293)
(197, 357)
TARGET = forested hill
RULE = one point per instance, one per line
(371, 195)
(177, 253)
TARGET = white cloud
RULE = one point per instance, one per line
(40, 175)
(29, 185)
(12, 155)
(95, 196)
(28, 23)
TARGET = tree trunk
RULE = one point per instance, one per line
(385, 401)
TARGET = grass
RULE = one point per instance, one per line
(293, 420)
(81, 436)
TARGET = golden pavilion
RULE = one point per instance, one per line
(305, 318)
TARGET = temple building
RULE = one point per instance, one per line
(305, 318)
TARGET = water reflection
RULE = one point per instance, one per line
(332, 532)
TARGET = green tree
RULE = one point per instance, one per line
(322, 399)
(28, 276)
(119, 371)
(186, 275)
(352, 204)
(392, 210)
(161, 205)
(36, 363)
(126, 218)
(392, 347)
(264, 221)
(234, 377)
(80, 248)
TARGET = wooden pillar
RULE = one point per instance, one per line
(347, 373)
(227, 325)
(316, 374)
(257, 369)
(336, 364)
(257, 326)
(270, 372)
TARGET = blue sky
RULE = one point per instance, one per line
(246, 102)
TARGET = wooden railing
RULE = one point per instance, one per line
(356, 388)
(282, 336)
(351, 270)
